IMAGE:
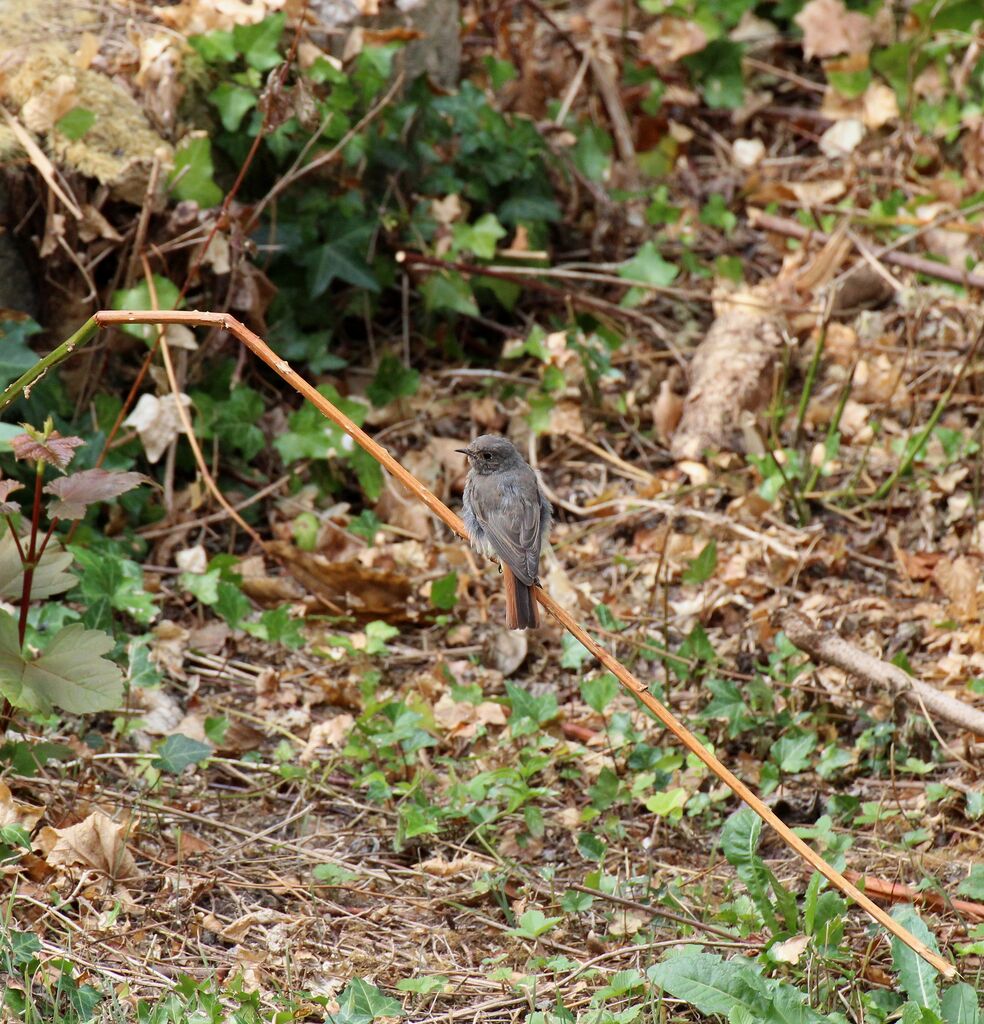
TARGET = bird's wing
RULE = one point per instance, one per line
(514, 529)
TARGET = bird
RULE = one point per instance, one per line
(507, 517)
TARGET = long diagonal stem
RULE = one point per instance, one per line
(282, 368)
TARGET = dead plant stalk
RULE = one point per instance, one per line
(110, 318)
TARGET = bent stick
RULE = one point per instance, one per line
(281, 367)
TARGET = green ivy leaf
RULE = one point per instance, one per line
(393, 380)
(444, 591)
(479, 238)
(108, 582)
(532, 924)
(192, 175)
(701, 568)
(718, 70)
(75, 123)
(16, 356)
(368, 472)
(649, 266)
(377, 633)
(339, 259)
(138, 297)
(214, 47)
(259, 43)
(792, 753)
(573, 653)
(592, 154)
(360, 1002)
(973, 885)
(233, 102)
(424, 985)
(599, 692)
(448, 290)
(177, 752)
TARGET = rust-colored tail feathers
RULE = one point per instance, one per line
(521, 606)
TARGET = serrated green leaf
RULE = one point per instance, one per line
(69, 674)
(193, 169)
(50, 577)
(919, 980)
(178, 751)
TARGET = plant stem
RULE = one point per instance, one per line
(17, 543)
(915, 445)
(26, 380)
(811, 376)
(32, 553)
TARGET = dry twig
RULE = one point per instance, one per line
(282, 368)
(835, 650)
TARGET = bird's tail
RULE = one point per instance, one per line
(521, 605)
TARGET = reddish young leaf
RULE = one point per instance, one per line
(90, 485)
(57, 450)
(6, 486)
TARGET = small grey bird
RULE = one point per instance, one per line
(508, 517)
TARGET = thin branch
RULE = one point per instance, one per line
(921, 265)
(831, 648)
(28, 379)
(282, 368)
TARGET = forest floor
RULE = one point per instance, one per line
(402, 809)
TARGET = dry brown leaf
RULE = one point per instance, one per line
(157, 422)
(467, 865)
(842, 138)
(670, 39)
(330, 733)
(462, 719)
(958, 580)
(790, 951)
(98, 843)
(829, 28)
(14, 812)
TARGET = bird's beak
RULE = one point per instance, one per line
(464, 451)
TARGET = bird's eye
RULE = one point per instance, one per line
(486, 455)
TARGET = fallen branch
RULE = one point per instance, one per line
(895, 892)
(921, 265)
(833, 649)
(282, 368)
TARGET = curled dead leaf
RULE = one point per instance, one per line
(97, 842)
